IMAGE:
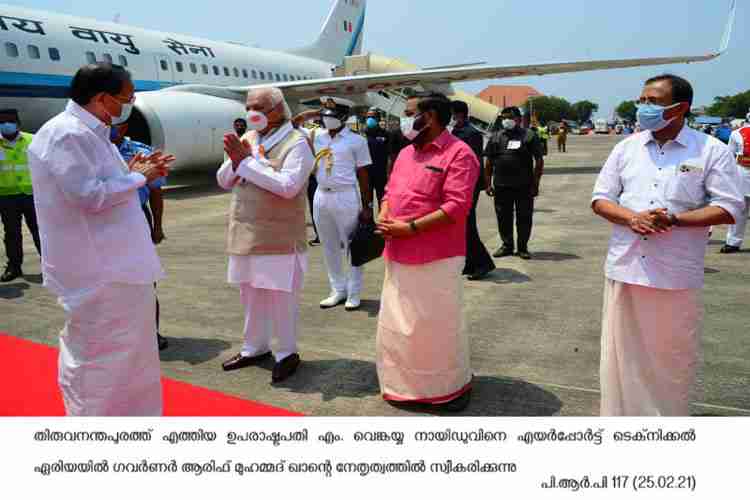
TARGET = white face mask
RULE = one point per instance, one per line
(331, 123)
(256, 120)
(124, 114)
(509, 124)
(407, 127)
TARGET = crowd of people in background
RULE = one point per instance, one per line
(86, 189)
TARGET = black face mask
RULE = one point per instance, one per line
(420, 123)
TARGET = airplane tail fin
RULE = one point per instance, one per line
(341, 35)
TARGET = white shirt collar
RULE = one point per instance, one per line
(683, 138)
(87, 118)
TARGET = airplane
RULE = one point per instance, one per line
(190, 90)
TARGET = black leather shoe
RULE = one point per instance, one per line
(729, 249)
(240, 361)
(481, 274)
(315, 242)
(524, 254)
(285, 368)
(456, 405)
(10, 274)
(503, 251)
(161, 342)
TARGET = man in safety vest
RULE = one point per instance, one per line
(739, 144)
(542, 133)
(16, 200)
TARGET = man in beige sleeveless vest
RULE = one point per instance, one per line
(267, 171)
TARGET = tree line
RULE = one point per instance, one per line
(555, 109)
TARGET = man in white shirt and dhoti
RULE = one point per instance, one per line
(343, 197)
(267, 171)
(662, 189)
(97, 254)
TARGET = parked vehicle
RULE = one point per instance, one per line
(601, 126)
(573, 127)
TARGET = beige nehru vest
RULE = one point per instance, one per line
(263, 223)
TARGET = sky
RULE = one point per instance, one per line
(434, 33)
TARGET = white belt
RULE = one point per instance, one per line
(337, 189)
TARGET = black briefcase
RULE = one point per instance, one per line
(365, 245)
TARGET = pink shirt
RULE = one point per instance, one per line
(440, 175)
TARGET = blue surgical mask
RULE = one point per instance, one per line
(372, 123)
(651, 116)
(124, 114)
(8, 129)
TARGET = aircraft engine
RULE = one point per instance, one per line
(188, 125)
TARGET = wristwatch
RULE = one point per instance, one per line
(673, 220)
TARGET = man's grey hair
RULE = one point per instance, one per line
(274, 96)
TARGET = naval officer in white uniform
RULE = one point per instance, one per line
(343, 197)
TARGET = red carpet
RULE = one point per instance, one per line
(28, 388)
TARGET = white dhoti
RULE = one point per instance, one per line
(650, 350)
(422, 350)
(336, 216)
(109, 363)
(270, 286)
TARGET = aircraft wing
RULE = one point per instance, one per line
(357, 85)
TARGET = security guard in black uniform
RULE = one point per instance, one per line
(378, 141)
(478, 261)
(514, 154)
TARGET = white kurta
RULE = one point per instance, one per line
(269, 272)
(98, 258)
(422, 349)
(270, 284)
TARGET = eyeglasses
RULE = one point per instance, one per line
(121, 100)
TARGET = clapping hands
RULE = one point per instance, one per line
(151, 166)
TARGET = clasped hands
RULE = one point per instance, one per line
(238, 149)
(391, 229)
(151, 166)
(651, 222)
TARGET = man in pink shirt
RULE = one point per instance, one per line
(422, 351)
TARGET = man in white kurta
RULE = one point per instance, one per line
(266, 244)
(738, 144)
(97, 254)
(662, 189)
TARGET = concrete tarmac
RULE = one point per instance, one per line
(534, 325)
